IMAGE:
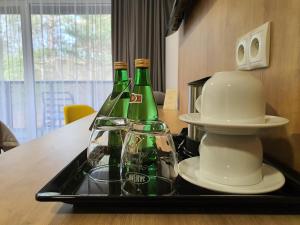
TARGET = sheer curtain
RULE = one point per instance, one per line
(52, 53)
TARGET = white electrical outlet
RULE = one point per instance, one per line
(252, 49)
(241, 54)
(259, 47)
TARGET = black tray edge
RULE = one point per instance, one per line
(266, 203)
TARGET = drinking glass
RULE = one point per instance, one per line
(104, 150)
(148, 160)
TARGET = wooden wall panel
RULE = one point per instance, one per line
(207, 45)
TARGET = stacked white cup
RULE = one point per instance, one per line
(233, 97)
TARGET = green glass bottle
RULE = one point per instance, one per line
(143, 107)
(121, 108)
(142, 103)
(115, 138)
(120, 83)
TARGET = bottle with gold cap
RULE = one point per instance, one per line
(142, 103)
(120, 83)
(142, 107)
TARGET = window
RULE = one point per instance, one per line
(51, 55)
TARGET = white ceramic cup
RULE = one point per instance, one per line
(232, 97)
(231, 160)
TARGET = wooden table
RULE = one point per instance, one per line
(27, 168)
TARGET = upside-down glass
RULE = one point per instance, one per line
(148, 160)
(104, 150)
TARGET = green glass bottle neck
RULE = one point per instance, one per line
(142, 76)
(120, 75)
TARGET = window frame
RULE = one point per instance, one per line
(24, 9)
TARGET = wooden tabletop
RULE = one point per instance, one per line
(27, 168)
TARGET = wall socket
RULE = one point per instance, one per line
(252, 49)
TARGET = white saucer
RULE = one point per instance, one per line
(233, 128)
(272, 179)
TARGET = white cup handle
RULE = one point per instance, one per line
(198, 104)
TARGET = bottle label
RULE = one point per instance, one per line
(136, 98)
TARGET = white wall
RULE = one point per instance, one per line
(172, 46)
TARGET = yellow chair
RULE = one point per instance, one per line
(75, 112)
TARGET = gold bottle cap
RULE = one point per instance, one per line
(120, 65)
(142, 63)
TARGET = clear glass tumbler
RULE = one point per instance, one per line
(148, 160)
(104, 150)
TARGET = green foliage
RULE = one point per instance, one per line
(11, 48)
(65, 47)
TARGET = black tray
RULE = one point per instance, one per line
(73, 186)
